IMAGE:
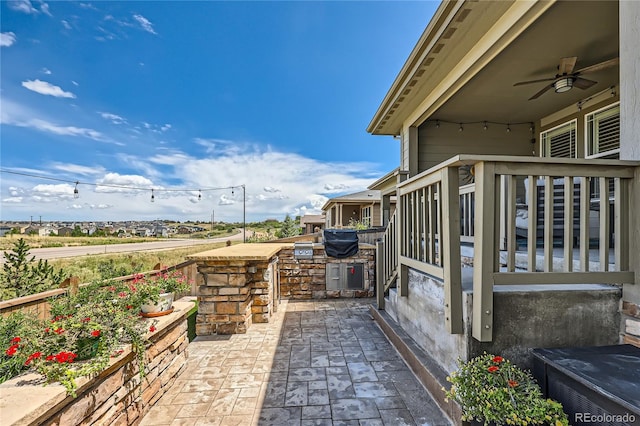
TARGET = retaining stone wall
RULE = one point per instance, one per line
(117, 396)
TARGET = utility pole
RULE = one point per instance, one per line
(212, 216)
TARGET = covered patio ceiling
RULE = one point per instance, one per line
(465, 65)
(588, 30)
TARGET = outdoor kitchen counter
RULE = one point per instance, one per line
(250, 251)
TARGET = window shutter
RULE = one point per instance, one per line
(560, 141)
(603, 133)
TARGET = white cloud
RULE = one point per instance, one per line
(46, 71)
(115, 182)
(45, 88)
(12, 200)
(18, 115)
(64, 130)
(74, 83)
(165, 127)
(48, 191)
(144, 23)
(7, 39)
(114, 118)
(270, 189)
(329, 187)
(66, 24)
(44, 8)
(88, 6)
(78, 169)
(23, 6)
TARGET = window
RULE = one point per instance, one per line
(366, 216)
(603, 132)
(559, 141)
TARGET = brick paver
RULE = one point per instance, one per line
(316, 363)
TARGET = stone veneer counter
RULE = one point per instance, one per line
(250, 251)
(236, 286)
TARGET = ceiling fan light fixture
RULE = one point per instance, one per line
(563, 85)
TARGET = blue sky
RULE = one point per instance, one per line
(192, 95)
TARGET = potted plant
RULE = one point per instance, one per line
(156, 291)
(491, 390)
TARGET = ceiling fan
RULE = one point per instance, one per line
(566, 77)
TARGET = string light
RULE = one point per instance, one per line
(76, 193)
(199, 195)
(77, 183)
(484, 123)
(153, 198)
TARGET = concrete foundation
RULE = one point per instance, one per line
(526, 317)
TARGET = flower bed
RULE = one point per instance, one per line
(116, 395)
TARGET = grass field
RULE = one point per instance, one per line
(6, 243)
(90, 268)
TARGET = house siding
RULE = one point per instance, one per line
(437, 144)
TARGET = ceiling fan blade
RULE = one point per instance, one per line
(566, 65)
(583, 83)
(537, 95)
(597, 67)
(534, 81)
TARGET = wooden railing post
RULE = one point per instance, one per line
(484, 251)
(450, 246)
(380, 274)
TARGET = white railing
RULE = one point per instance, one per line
(387, 260)
(430, 225)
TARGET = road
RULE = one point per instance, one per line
(61, 252)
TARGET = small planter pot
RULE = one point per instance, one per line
(87, 348)
(164, 306)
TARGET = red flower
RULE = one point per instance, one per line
(112, 288)
(95, 333)
(16, 340)
(59, 330)
(129, 306)
(33, 356)
(513, 383)
(122, 294)
(493, 369)
(497, 359)
(87, 319)
(49, 357)
(152, 328)
(11, 350)
(46, 330)
(63, 357)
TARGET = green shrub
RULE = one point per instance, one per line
(22, 276)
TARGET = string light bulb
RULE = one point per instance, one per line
(199, 195)
(437, 124)
(76, 193)
(153, 197)
(484, 126)
(508, 128)
(460, 129)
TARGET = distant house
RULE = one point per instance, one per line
(4, 230)
(363, 207)
(309, 222)
(65, 231)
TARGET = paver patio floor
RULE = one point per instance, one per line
(321, 362)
